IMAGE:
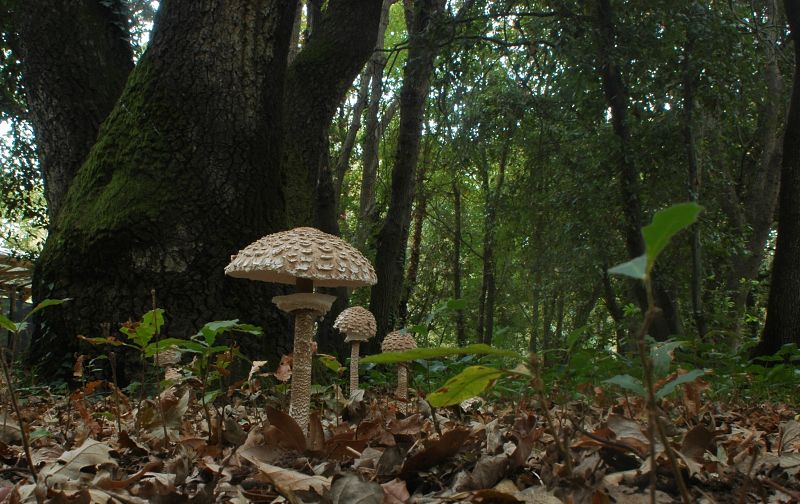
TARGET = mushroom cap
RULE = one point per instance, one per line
(303, 253)
(398, 342)
(357, 323)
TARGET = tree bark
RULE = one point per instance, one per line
(783, 309)
(666, 323)
(184, 173)
(76, 58)
(392, 238)
(316, 82)
(376, 61)
(416, 246)
(461, 330)
(752, 198)
(689, 80)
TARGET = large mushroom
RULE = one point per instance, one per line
(357, 324)
(400, 342)
(307, 258)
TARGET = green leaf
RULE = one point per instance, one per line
(161, 345)
(434, 353)
(635, 268)
(684, 378)
(212, 330)
(666, 224)
(627, 382)
(44, 304)
(39, 434)
(6, 323)
(330, 362)
(467, 384)
(662, 354)
(211, 395)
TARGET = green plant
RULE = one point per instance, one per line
(211, 359)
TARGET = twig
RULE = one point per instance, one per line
(654, 424)
(112, 358)
(538, 386)
(791, 493)
(23, 429)
(158, 395)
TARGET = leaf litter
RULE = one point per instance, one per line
(484, 452)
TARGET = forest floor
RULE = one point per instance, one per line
(593, 451)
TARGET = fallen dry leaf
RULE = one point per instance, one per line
(69, 465)
(287, 481)
(352, 489)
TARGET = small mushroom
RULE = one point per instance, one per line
(307, 258)
(400, 342)
(358, 324)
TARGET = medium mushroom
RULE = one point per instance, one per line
(400, 342)
(358, 324)
(307, 258)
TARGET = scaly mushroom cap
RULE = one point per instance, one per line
(303, 253)
(398, 342)
(357, 323)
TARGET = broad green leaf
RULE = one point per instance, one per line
(44, 304)
(684, 378)
(467, 384)
(212, 330)
(635, 268)
(662, 354)
(211, 395)
(574, 337)
(627, 382)
(102, 341)
(161, 345)
(434, 353)
(330, 362)
(5, 323)
(666, 224)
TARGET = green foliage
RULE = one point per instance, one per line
(467, 384)
(666, 224)
(18, 327)
(435, 353)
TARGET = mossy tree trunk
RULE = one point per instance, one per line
(185, 172)
(76, 57)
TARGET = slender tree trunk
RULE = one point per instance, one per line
(752, 208)
(342, 39)
(783, 310)
(547, 327)
(176, 183)
(533, 346)
(392, 238)
(617, 315)
(367, 213)
(294, 39)
(418, 218)
(666, 323)
(689, 79)
(461, 330)
(559, 333)
(343, 163)
(76, 58)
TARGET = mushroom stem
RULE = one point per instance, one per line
(402, 388)
(301, 367)
(354, 354)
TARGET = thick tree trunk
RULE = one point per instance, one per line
(461, 330)
(316, 82)
(783, 310)
(184, 173)
(76, 58)
(392, 238)
(667, 323)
